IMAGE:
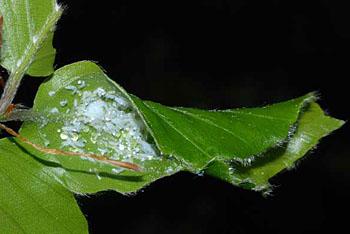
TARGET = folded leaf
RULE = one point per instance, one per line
(31, 200)
(81, 111)
(84, 111)
(200, 136)
(27, 35)
(311, 127)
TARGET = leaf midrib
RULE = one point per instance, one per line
(179, 132)
(209, 122)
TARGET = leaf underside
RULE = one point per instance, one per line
(85, 176)
(241, 146)
(312, 125)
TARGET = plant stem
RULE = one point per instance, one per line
(104, 159)
(27, 59)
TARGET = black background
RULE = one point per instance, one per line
(220, 54)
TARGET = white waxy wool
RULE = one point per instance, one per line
(104, 122)
(54, 111)
(96, 110)
(81, 84)
(35, 39)
(63, 136)
(63, 103)
(72, 88)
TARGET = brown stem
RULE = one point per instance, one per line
(40, 148)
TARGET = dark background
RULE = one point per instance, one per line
(220, 54)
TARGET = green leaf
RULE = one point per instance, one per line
(27, 35)
(31, 200)
(200, 136)
(67, 101)
(81, 109)
(312, 126)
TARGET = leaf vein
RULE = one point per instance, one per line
(178, 131)
(209, 122)
(258, 115)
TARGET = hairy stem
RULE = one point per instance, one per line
(26, 60)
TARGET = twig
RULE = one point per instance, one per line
(1, 24)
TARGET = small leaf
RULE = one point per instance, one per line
(27, 35)
(31, 200)
(312, 126)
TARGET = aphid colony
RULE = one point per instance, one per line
(101, 122)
